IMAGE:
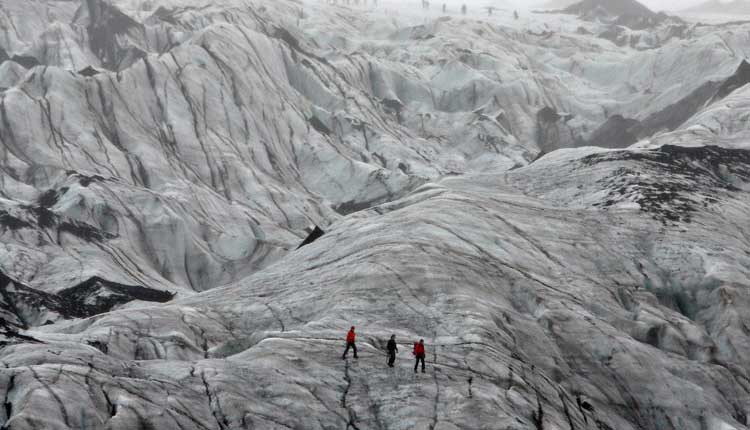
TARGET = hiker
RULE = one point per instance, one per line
(419, 354)
(445, 6)
(463, 9)
(392, 350)
(515, 14)
(350, 337)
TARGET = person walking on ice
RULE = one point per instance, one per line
(392, 350)
(419, 354)
(350, 338)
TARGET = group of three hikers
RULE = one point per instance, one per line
(392, 348)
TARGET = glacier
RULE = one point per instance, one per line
(556, 203)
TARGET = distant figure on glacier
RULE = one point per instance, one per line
(419, 354)
(463, 9)
(444, 7)
(515, 14)
(392, 350)
(350, 338)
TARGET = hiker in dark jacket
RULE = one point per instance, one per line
(350, 338)
(419, 354)
(392, 350)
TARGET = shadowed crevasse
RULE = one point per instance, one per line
(620, 132)
(26, 61)
(739, 79)
(314, 235)
(106, 24)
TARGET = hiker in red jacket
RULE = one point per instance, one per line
(350, 338)
(419, 354)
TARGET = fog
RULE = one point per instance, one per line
(655, 5)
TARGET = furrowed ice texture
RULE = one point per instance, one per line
(557, 204)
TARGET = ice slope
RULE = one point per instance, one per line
(177, 159)
(230, 129)
(723, 123)
(544, 305)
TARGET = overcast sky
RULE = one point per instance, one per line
(658, 5)
(655, 5)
